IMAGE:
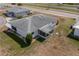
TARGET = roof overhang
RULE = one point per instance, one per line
(47, 28)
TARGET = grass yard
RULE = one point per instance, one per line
(56, 44)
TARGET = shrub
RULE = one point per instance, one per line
(29, 39)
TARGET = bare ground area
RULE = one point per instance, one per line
(57, 44)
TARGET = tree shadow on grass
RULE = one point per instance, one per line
(17, 39)
(71, 35)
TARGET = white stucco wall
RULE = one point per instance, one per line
(76, 32)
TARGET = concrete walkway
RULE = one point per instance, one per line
(2, 23)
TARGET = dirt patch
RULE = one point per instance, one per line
(3, 51)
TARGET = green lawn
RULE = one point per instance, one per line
(65, 27)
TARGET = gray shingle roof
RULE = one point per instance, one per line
(48, 28)
(17, 10)
(76, 25)
(35, 22)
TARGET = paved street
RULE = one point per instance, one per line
(53, 12)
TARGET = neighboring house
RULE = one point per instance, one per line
(76, 28)
(38, 25)
(17, 11)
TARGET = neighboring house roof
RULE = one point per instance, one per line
(33, 23)
(76, 25)
(17, 10)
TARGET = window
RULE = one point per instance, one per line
(32, 32)
(42, 33)
(14, 28)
